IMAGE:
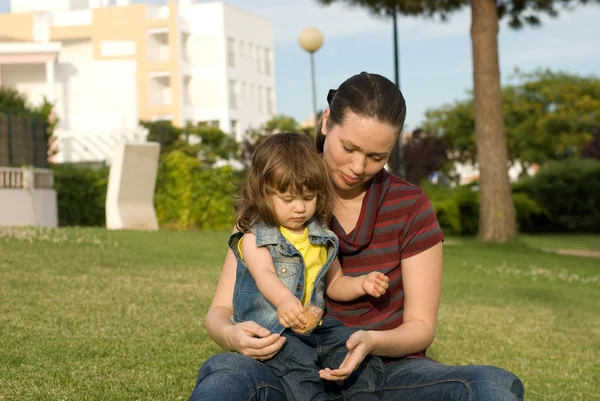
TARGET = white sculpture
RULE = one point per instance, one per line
(131, 183)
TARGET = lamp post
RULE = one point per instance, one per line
(311, 40)
(398, 167)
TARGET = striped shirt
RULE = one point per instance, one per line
(396, 222)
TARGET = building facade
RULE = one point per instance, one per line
(106, 64)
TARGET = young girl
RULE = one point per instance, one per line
(286, 262)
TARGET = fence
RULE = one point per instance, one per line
(26, 178)
(23, 141)
(92, 146)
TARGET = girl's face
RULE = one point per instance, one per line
(356, 150)
(294, 210)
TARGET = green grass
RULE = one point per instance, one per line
(89, 314)
(590, 242)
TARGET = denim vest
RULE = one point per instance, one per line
(248, 303)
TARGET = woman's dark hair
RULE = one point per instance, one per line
(283, 162)
(367, 95)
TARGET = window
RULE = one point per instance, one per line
(210, 123)
(243, 94)
(267, 61)
(233, 129)
(242, 49)
(232, 95)
(230, 52)
(260, 99)
(250, 51)
(258, 60)
(269, 96)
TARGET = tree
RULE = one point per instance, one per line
(498, 220)
(207, 144)
(423, 154)
(547, 116)
(163, 132)
(592, 149)
(210, 143)
(253, 137)
(281, 123)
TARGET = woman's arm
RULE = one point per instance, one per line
(422, 280)
(237, 337)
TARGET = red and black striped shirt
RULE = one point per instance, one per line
(396, 222)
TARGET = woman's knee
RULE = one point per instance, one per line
(498, 383)
(236, 365)
(222, 362)
(231, 376)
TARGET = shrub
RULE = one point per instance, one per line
(81, 195)
(569, 192)
(457, 209)
(467, 200)
(214, 202)
(448, 216)
(188, 196)
(531, 217)
(174, 189)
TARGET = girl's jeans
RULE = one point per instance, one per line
(298, 363)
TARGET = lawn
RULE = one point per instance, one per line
(588, 242)
(88, 314)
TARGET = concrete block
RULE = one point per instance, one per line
(131, 184)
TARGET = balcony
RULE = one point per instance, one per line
(158, 45)
(72, 18)
(185, 26)
(154, 13)
(160, 89)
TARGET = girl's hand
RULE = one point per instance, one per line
(375, 284)
(242, 338)
(290, 313)
(359, 347)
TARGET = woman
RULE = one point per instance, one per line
(383, 224)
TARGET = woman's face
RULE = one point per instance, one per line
(356, 150)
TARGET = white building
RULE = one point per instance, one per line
(106, 64)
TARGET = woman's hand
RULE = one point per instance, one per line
(375, 284)
(359, 347)
(241, 337)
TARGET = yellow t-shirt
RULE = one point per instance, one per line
(315, 257)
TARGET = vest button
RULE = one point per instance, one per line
(298, 287)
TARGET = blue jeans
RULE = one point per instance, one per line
(234, 377)
(298, 363)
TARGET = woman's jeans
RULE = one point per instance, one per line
(234, 377)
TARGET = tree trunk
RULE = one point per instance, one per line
(497, 213)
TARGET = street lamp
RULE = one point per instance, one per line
(311, 40)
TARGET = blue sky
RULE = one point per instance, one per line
(435, 57)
